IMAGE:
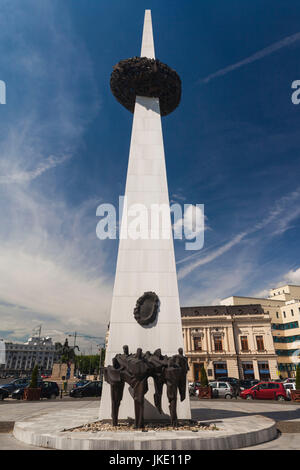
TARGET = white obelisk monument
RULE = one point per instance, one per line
(145, 265)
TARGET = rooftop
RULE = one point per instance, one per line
(203, 311)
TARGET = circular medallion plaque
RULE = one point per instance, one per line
(146, 308)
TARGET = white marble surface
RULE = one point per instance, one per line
(46, 431)
(145, 264)
(147, 41)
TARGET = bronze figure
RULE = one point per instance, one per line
(135, 369)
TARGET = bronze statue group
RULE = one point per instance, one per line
(135, 369)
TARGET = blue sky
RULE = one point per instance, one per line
(233, 145)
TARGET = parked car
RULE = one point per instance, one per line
(288, 387)
(49, 390)
(248, 383)
(81, 383)
(18, 393)
(265, 391)
(3, 393)
(289, 380)
(234, 382)
(15, 384)
(222, 390)
(91, 389)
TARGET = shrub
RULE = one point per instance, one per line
(203, 379)
(34, 377)
(298, 377)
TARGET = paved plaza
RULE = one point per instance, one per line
(286, 415)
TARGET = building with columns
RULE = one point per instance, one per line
(232, 341)
(20, 358)
(283, 307)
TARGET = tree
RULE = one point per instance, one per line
(34, 377)
(203, 378)
(298, 377)
(88, 364)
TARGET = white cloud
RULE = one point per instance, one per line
(261, 294)
(192, 222)
(46, 286)
(52, 267)
(293, 277)
(25, 176)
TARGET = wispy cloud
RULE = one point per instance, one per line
(48, 244)
(293, 277)
(25, 176)
(183, 272)
(285, 210)
(254, 57)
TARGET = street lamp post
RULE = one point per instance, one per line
(100, 348)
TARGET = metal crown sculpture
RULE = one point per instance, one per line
(146, 77)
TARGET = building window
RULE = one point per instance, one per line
(284, 314)
(248, 370)
(264, 372)
(285, 326)
(286, 339)
(292, 312)
(220, 369)
(218, 343)
(244, 343)
(197, 343)
(277, 314)
(260, 343)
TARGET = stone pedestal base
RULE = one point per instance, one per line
(49, 431)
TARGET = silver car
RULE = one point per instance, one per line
(222, 390)
(288, 387)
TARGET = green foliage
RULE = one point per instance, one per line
(89, 364)
(34, 377)
(298, 377)
(203, 379)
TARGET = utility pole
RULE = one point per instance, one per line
(100, 348)
(75, 336)
(91, 359)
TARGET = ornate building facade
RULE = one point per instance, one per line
(230, 341)
(283, 307)
(20, 358)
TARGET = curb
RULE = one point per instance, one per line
(233, 433)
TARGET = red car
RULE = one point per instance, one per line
(265, 391)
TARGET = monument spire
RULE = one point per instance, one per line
(145, 310)
(147, 41)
